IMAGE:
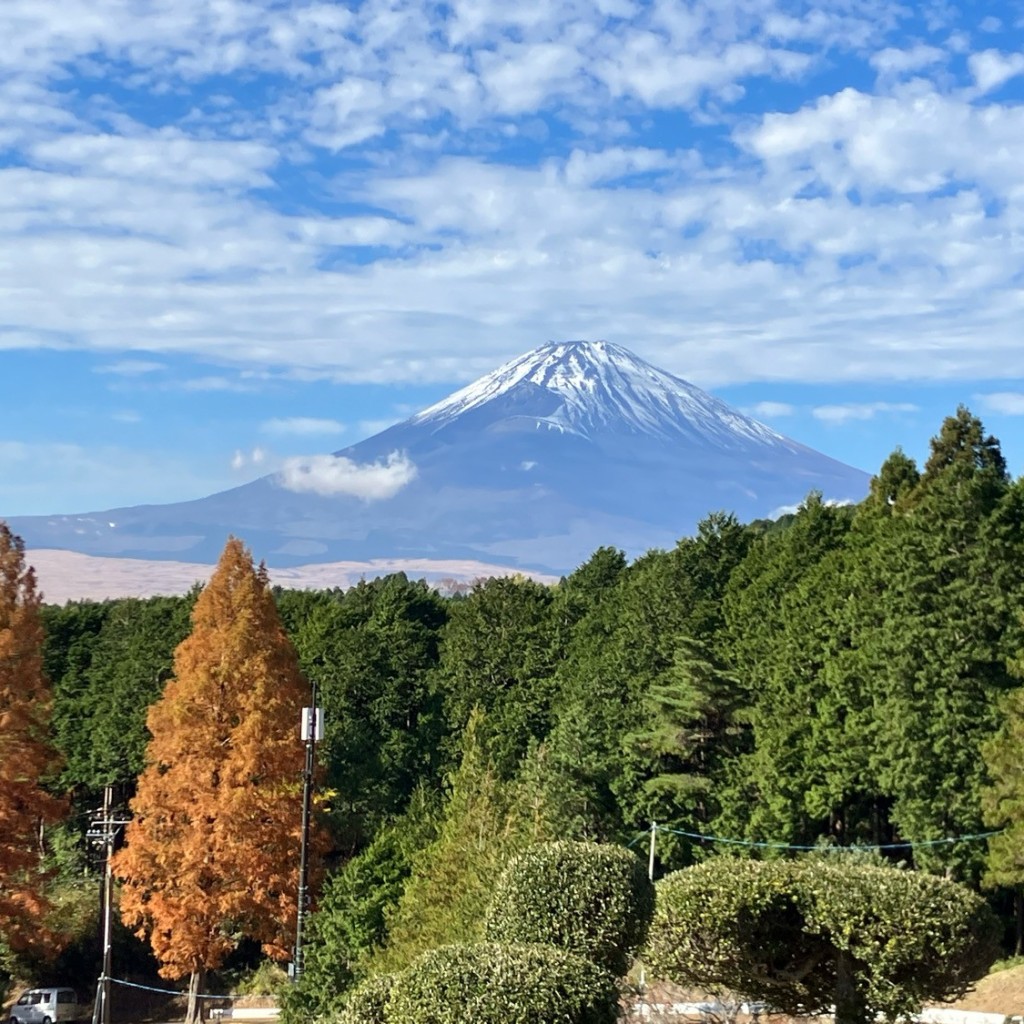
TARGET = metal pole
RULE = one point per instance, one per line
(108, 904)
(307, 797)
(101, 1011)
(650, 875)
(650, 859)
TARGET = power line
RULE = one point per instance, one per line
(171, 991)
(798, 847)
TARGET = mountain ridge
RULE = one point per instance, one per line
(557, 452)
(575, 369)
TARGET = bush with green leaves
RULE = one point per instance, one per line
(808, 935)
(367, 1002)
(497, 983)
(591, 899)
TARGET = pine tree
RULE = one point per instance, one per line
(484, 821)
(1002, 801)
(940, 640)
(26, 755)
(496, 655)
(211, 854)
(696, 723)
(775, 643)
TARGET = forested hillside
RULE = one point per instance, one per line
(846, 676)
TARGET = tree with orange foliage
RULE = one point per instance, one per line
(211, 854)
(25, 753)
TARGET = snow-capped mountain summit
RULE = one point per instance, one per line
(567, 448)
(604, 387)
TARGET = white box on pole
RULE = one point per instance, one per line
(318, 729)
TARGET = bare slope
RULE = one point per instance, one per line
(70, 576)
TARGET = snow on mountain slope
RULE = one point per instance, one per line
(605, 387)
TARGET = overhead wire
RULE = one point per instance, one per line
(805, 848)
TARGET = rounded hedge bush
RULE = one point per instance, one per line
(814, 936)
(591, 899)
(494, 983)
(367, 1002)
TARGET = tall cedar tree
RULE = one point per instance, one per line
(25, 752)
(212, 851)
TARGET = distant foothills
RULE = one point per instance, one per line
(568, 448)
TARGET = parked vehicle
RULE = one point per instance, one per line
(49, 1005)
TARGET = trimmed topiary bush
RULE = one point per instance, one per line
(367, 1002)
(493, 983)
(590, 899)
(810, 936)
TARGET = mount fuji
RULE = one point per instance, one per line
(570, 447)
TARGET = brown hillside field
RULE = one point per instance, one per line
(1001, 992)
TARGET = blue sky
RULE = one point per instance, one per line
(236, 231)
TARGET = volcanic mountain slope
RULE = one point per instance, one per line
(567, 448)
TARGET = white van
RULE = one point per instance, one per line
(50, 1005)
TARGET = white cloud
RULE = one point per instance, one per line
(843, 240)
(336, 475)
(771, 410)
(916, 141)
(1009, 403)
(895, 62)
(215, 382)
(131, 367)
(161, 157)
(992, 69)
(243, 460)
(840, 414)
(302, 426)
(791, 510)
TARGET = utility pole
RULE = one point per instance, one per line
(650, 858)
(650, 875)
(312, 729)
(109, 824)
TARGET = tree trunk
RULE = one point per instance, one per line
(194, 1012)
(1018, 913)
(850, 1005)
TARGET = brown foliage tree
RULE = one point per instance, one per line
(211, 854)
(25, 753)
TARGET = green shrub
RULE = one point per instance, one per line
(267, 979)
(367, 1002)
(810, 935)
(492, 983)
(587, 898)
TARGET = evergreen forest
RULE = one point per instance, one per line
(845, 678)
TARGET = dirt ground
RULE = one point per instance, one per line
(1002, 992)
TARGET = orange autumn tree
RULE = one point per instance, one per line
(211, 853)
(25, 753)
